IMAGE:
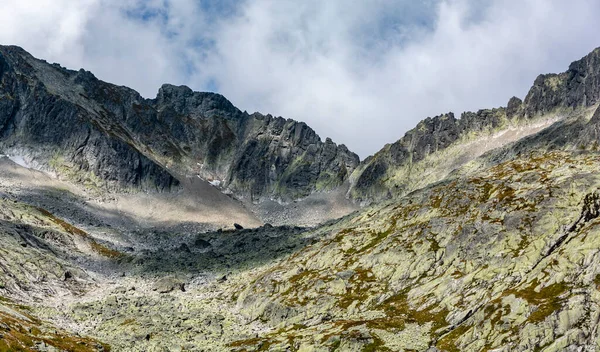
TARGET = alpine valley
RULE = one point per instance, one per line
(181, 223)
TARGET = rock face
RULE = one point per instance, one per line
(252, 155)
(394, 170)
(578, 86)
(60, 133)
(78, 126)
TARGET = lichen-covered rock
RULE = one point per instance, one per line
(503, 254)
(502, 259)
(168, 284)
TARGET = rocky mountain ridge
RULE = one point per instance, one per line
(395, 170)
(73, 124)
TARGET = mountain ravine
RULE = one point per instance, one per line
(181, 223)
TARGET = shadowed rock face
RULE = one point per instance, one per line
(386, 173)
(76, 125)
(61, 134)
(578, 86)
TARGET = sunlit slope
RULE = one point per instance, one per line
(506, 260)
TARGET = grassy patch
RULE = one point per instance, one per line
(448, 342)
(547, 300)
(73, 230)
(23, 335)
(398, 308)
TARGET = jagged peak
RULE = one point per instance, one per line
(185, 100)
(593, 55)
(169, 89)
(13, 49)
(188, 132)
(579, 87)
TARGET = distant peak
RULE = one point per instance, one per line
(13, 48)
(184, 100)
(168, 88)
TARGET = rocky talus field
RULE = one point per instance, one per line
(181, 223)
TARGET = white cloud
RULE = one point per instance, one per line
(99, 36)
(360, 72)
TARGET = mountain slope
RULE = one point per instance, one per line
(490, 242)
(504, 260)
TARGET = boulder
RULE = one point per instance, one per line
(169, 284)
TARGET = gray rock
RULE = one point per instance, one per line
(201, 243)
(168, 284)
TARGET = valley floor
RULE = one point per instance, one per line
(501, 259)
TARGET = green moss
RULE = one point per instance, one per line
(359, 288)
(73, 230)
(128, 322)
(434, 245)
(376, 345)
(486, 192)
(398, 311)
(457, 274)
(554, 82)
(523, 243)
(74, 173)
(547, 300)
(436, 201)
(247, 342)
(22, 335)
(379, 237)
(449, 341)
(597, 281)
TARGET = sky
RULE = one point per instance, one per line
(361, 72)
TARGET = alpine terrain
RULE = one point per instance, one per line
(181, 223)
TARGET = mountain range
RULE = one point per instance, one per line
(183, 223)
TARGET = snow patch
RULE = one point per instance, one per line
(17, 159)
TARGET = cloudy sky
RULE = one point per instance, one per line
(361, 72)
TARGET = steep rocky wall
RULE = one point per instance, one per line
(374, 179)
(58, 134)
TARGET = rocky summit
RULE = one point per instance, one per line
(181, 223)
